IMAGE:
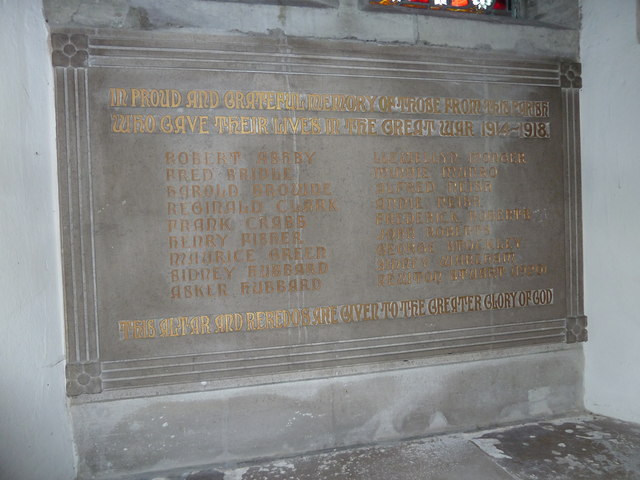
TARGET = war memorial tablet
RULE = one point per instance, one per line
(237, 210)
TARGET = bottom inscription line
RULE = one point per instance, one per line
(329, 315)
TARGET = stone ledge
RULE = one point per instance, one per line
(287, 419)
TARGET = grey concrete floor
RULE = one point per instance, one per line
(585, 447)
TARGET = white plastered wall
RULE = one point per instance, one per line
(610, 102)
(35, 436)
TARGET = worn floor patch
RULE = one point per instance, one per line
(584, 448)
(443, 458)
(590, 448)
(180, 474)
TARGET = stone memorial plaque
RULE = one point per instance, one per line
(236, 211)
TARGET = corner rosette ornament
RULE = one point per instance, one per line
(577, 329)
(83, 378)
(570, 75)
(69, 50)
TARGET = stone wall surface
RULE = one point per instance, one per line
(551, 31)
(271, 421)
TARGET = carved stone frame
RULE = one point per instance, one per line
(72, 57)
(571, 82)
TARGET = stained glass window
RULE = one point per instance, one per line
(471, 6)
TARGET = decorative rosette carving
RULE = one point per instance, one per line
(577, 329)
(571, 75)
(83, 378)
(70, 50)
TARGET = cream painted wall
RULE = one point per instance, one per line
(610, 103)
(35, 435)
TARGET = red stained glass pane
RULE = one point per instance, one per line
(460, 3)
(500, 5)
